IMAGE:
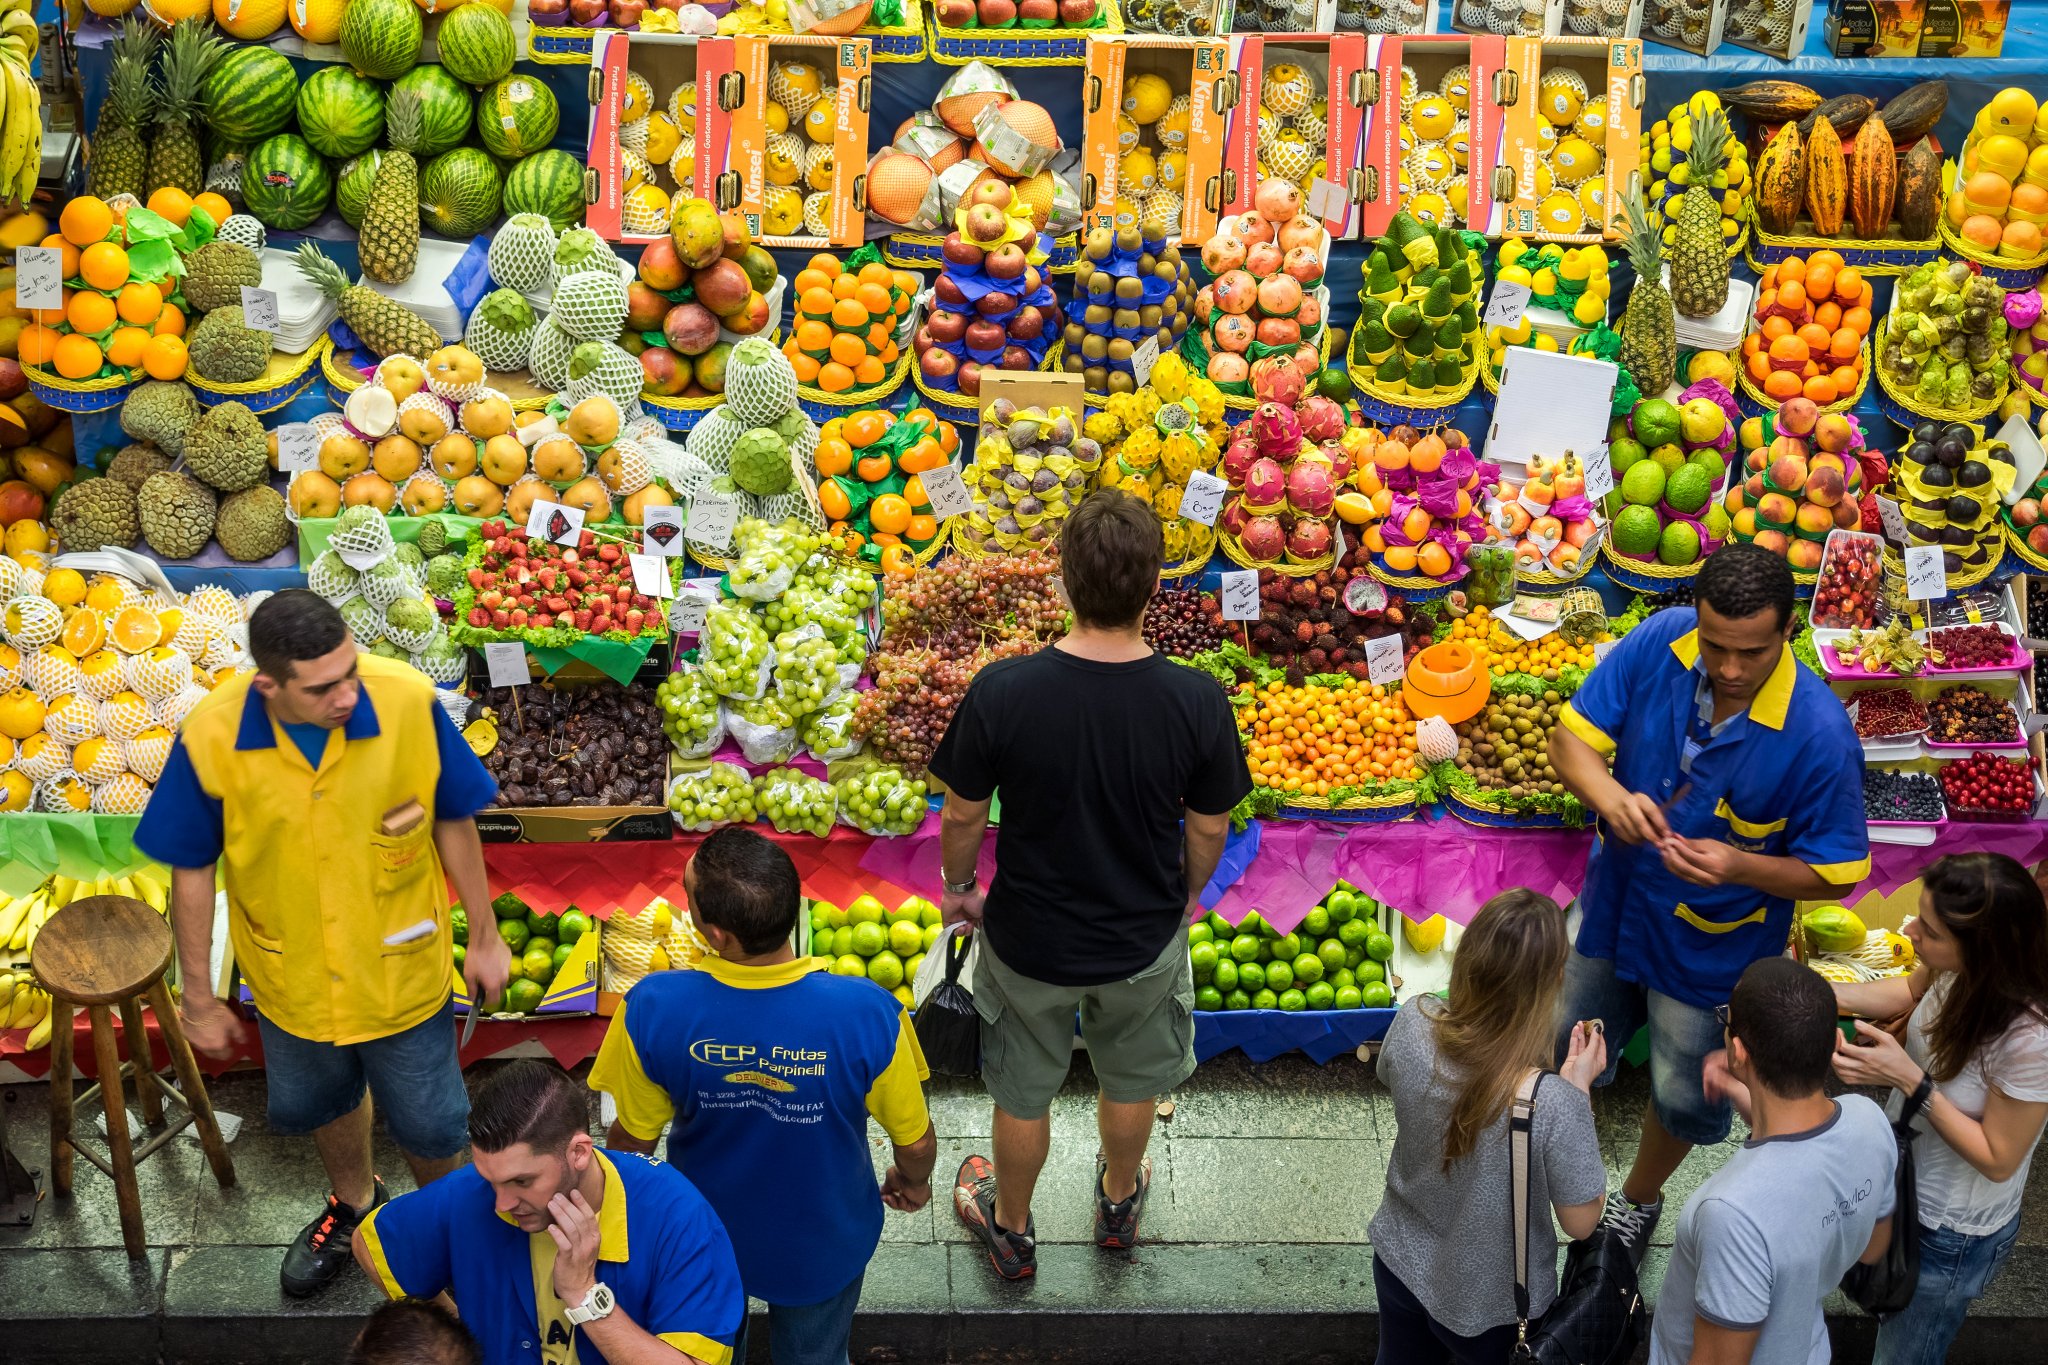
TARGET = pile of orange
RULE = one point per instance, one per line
(1812, 319)
(1312, 740)
(846, 323)
(869, 463)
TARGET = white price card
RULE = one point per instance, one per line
(1239, 595)
(1327, 200)
(38, 277)
(692, 605)
(259, 308)
(1144, 358)
(1603, 648)
(650, 576)
(948, 494)
(711, 521)
(298, 448)
(1202, 503)
(1926, 578)
(506, 662)
(1599, 475)
(1506, 304)
(554, 521)
(1892, 519)
(1386, 659)
(662, 532)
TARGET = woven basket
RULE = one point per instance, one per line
(1415, 587)
(1645, 575)
(282, 380)
(1474, 809)
(2016, 546)
(1357, 810)
(1907, 413)
(1021, 46)
(79, 395)
(1766, 404)
(909, 41)
(1202, 548)
(680, 414)
(1885, 256)
(825, 406)
(2021, 274)
(1895, 564)
(343, 377)
(1389, 408)
(717, 563)
(958, 407)
(1236, 555)
(921, 251)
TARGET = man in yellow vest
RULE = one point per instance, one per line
(335, 797)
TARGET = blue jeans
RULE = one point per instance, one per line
(811, 1333)
(1408, 1334)
(1955, 1270)
(1681, 1036)
(415, 1077)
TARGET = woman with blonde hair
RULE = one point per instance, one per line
(1443, 1240)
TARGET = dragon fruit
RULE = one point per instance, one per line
(1262, 539)
(1238, 456)
(1265, 486)
(1231, 520)
(1322, 419)
(1276, 379)
(1276, 430)
(1310, 540)
(1339, 457)
(1310, 490)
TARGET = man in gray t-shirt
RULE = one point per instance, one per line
(1810, 1194)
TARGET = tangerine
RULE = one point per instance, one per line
(889, 514)
(164, 357)
(126, 347)
(140, 304)
(77, 357)
(104, 266)
(171, 203)
(834, 377)
(85, 220)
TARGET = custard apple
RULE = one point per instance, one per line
(760, 384)
(760, 462)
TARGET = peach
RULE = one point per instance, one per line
(1796, 416)
(1775, 541)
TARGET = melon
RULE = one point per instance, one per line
(444, 108)
(516, 116)
(285, 184)
(460, 191)
(317, 21)
(250, 94)
(549, 183)
(352, 185)
(340, 113)
(476, 45)
(897, 182)
(381, 38)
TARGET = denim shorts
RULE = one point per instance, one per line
(415, 1077)
(1681, 1036)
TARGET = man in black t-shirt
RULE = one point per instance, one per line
(1118, 769)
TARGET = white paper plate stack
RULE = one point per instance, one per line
(1724, 330)
(303, 312)
(426, 293)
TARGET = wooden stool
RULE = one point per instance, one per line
(108, 952)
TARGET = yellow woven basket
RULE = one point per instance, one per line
(2013, 274)
(1770, 404)
(1883, 256)
(1236, 555)
(285, 378)
(1975, 412)
(1379, 404)
(80, 395)
(1004, 47)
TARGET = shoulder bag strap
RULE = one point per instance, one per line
(1521, 1121)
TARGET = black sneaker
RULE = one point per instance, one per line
(1632, 1222)
(1014, 1255)
(324, 1249)
(1116, 1225)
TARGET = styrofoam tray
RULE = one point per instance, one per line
(1724, 330)
(1836, 671)
(303, 312)
(425, 293)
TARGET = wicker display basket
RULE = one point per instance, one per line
(2016, 546)
(2013, 274)
(1895, 564)
(1908, 413)
(958, 407)
(1021, 46)
(1474, 808)
(921, 251)
(1356, 810)
(824, 406)
(1188, 572)
(1543, 582)
(1763, 403)
(286, 377)
(79, 395)
(1415, 587)
(1295, 569)
(1884, 256)
(1645, 575)
(1390, 408)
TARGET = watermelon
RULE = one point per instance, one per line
(285, 183)
(459, 192)
(516, 116)
(476, 44)
(352, 185)
(341, 113)
(249, 94)
(549, 183)
(444, 108)
(381, 38)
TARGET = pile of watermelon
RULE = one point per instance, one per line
(485, 131)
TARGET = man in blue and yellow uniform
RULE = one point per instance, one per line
(769, 1067)
(1737, 789)
(336, 798)
(554, 1252)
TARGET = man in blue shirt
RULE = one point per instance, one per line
(768, 1066)
(1737, 790)
(554, 1252)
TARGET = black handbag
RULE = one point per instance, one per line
(1597, 1315)
(948, 1029)
(1887, 1287)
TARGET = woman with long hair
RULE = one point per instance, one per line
(1977, 1042)
(1443, 1239)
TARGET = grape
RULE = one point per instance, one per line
(829, 734)
(1183, 622)
(806, 670)
(769, 557)
(732, 649)
(881, 801)
(766, 731)
(689, 710)
(716, 794)
(795, 802)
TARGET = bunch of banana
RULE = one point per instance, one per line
(23, 917)
(21, 126)
(23, 1004)
(655, 940)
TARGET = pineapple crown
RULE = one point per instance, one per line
(1644, 244)
(322, 273)
(1709, 154)
(404, 121)
(193, 50)
(131, 95)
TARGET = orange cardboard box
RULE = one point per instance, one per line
(1613, 69)
(666, 60)
(1336, 63)
(1196, 67)
(1377, 185)
(846, 62)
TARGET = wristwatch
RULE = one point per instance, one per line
(959, 888)
(598, 1303)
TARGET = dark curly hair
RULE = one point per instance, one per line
(1741, 580)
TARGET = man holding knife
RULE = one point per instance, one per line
(336, 798)
(1737, 789)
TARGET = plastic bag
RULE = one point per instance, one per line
(948, 1026)
(795, 802)
(734, 652)
(881, 800)
(765, 732)
(807, 672)
(712, 795)
(690, 714)
(768, 560)
(828, 734)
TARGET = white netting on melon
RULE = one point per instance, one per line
(367, 539)
(332, 578)
(125, 715)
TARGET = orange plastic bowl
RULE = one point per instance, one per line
(1448, 680)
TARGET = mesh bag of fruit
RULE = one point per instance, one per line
(710, 795)
(764, 730)
(828, 734)
(734, 652)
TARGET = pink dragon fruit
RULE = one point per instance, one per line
(1310, 540)
(1262, 539)
(1322, 419)
(1265, 486)
(1276, 430)
(1275, 379)
(1238, 456)
(1233, 517)
(1310, 490)
(1339, 457)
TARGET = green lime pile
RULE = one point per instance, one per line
(1334, 960)
(864, 939)
(540, 944)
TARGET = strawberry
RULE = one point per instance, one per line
(578, 578)
(587, 541)
(623, 593)
(526, 599)
(635, 621)
(476, 578)
(519, 619)
(541, 620)
(479, 618)
(557, 604)
(608, 553)
(583, 620)
(642, 601)
(492, 529)
(501, 620)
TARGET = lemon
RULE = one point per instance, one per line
(1425, 937)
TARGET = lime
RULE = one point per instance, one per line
(885, 969)
(1354, 956)
(1342, 905)
(1316, 922)
(575, 924)
(541, 943)
(543, 926)
(1279, 974)
(1253, 924)
(846, 964)
(562, 954)
(911, 911)
(1251, 976)
(1379, 947)
(458, 920)
(1201, 975)
(1376, 996)
(1320, 996)
(1332, 953)
(1245, 947)
(869, 938)
(1236, 1000)
(904, 997)
(1353, 933)
(818, 925)
(1208, 998)
(911, 964)
(1203, 956)
(931, 933)
(834, 916)
(1221, 927)
(1348, 998)
(1292, 1000)
(1369, 971)
(513, 931)
(1341, 978)
(523, 997)
(1307, 967)
(1264, 1000)
(1200, 933)
(539, 965)
(905, 938)
(1226, 977)
(1334, 384)
(842, 940)
(927, 915)
(1285, 947)
(461, 953)
(866, 910)
(516, 970)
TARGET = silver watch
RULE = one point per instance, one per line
(960, 888)
(598, 1303)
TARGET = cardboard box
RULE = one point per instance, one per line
(1538, 18)
(575, 824)
(1874, 28)
(1195, 67)
(845, 62)
(1614, 70)
(1689, 25)
(667, 60)
(1336, 64)
(1750, 24)
(1432, 58)
(1963, 28)
(1371, 180)
(1045, 390)
(573, 990)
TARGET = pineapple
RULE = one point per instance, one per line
(386, 326)
(1649, 346)
(390, 236)
(120, 156)
(175, 157)
(1699, 258)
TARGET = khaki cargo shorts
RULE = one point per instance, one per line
(1140, 1032)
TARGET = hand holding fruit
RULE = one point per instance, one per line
(486, 964)
(1587, 1057)
(1636, 819)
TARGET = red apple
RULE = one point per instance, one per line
(936, 364)
(1028, 325)
(992, 191)
(983, 335)
(970, 377)
(921, 341)
(948, 291)
(985, 223)
(946, 326)
(1016, 357)
(958, 251)
(996, 305)
(586, 11)
(626, 13)
(1006, 262)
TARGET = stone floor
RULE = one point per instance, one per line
(1265, 1178)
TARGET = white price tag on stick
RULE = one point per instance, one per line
(1507, 303)
(1144, 358)
(1202, 503)
(1239, 595)
(298, 448)
(38, 277)
(1599, 475)
(554, 521)
(505, 661)
(1926, 577)
(259, 309)
(711, 521)
(650, 576)
(1892, 519)
(1386, 659)
(662, 532)
(686, 614)
(948, 494)
(1326, 200)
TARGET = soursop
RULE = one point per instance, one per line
(522, 255)
(361, 517)
(95, 513)
(224, 350)
(711, 440)
(409, 555)
(227, 449)
(501, 329)
(386, 581)
(760, 384)
(215, 274)
(252, 524)
(760, 462)
(363, 620)
(160, 411)
(410, 615)
(433, 538)
(134, 463)
(177, 512)
(332, 577)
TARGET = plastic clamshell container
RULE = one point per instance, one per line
(1837, 671)
(2017, 706)
(1837, 541)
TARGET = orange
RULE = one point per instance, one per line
(832, 499)
(890, 514)
(1791, 269)
(843, 286)
(815, 301)
(164, 357)
(874, 297)
(104, 266)
(898, 560)
(874, 272)
(90, 313)
(1844, 345)
(826, 264)
(1857, 320)
(85, 220)
(170, 322)
(1790, 350)
(914, 494)
(1820, 281)
(1847, 377)
(136, 629)
(848, 315)
(77, 357)
(84, 633)
(923, 529)
(1828, 315)
(216, 207)
(1782, 384)
(870, 371)
(140, 304)
(923, 455)
(172, 203)
(833, 456)
(866, 427)
(813, 338)
(126, 347)
(949, 437)
(806, 368)
(1791, 297)
(832, 429)
(1821, 389)
(905, 283)
(1827, 257)
(848, 351)
(872, 468)
(1775, 326)
(1814, 335)
(38, 343)
(834, 377)
(69, 250)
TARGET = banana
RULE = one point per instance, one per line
(22, 130)
(63, 890)
(12, 918)
(125, 886)
(18, 1005)
(154, 892)
(40, 1034)
(25, 928)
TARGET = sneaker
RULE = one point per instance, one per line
(1116, 1225)
(324, 1249)
(1014, 1255)
(1632, 1222)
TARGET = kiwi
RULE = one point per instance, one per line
(1120, 381)
(1124, 319)
(1119, 349)
(1097, 378)
(1149, 315)
(1130, 289)
(1096, 317)
(1094, 347)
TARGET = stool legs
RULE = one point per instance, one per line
(60, 1095)
(192, 1083)
(120, 1150)
(148, 1089)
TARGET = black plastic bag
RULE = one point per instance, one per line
(948, 1029)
